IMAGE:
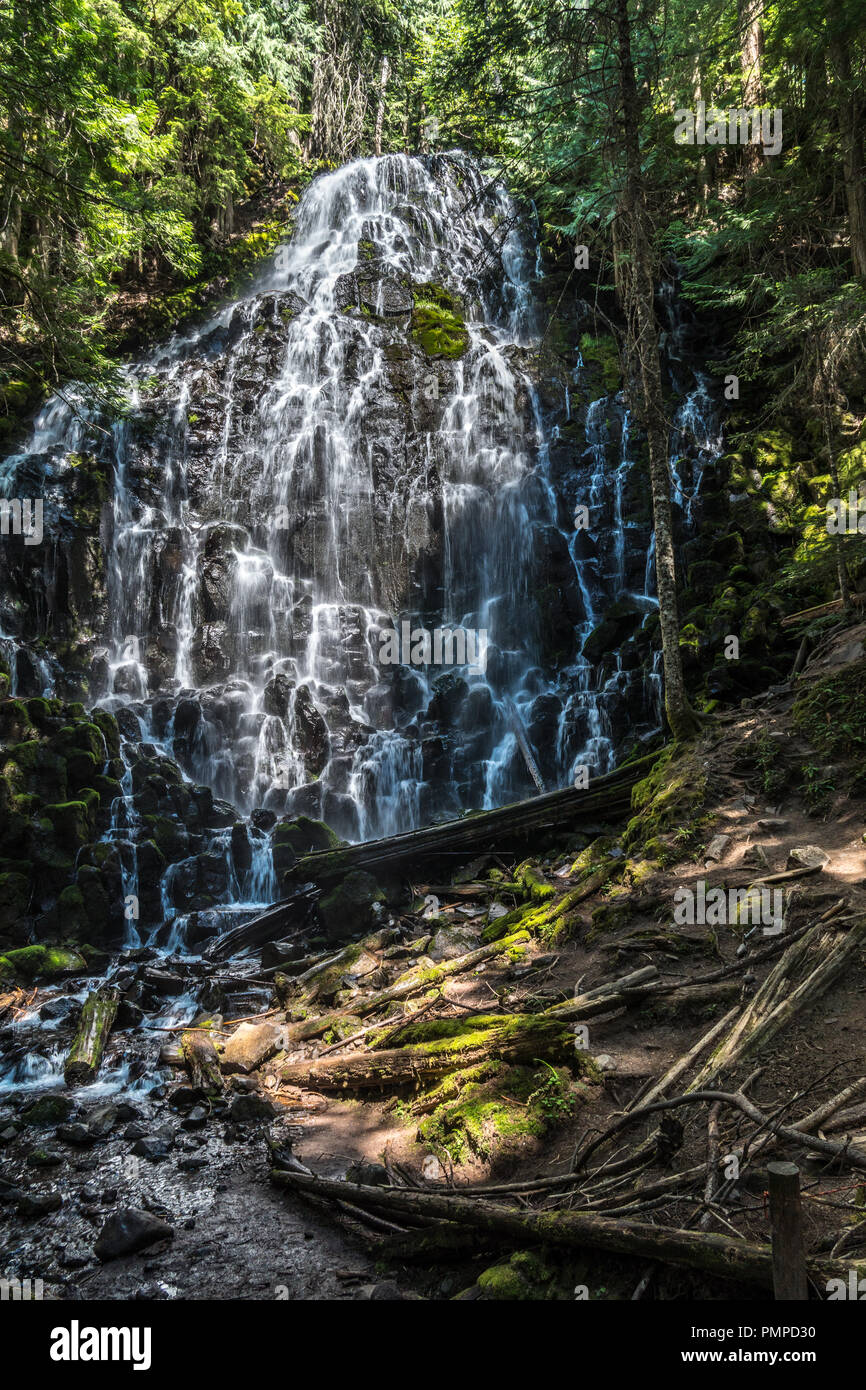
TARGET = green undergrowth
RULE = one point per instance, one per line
(500, 1112)
(831, 714)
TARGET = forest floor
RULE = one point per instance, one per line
(234, 1235)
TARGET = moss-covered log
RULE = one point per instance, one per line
(202, 1061)
(413, 982)
(94, 1026)
(464, 1043)
(745, 1262)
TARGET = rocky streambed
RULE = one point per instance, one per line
(139, 1184)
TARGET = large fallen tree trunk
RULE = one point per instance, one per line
(88, 1045)
(723, 1256)
(522, 1038)
(608, 797)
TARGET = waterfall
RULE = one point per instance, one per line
(365, 440)
(273, 513)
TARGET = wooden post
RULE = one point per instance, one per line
(786, 1232)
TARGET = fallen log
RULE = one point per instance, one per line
(422, 977)
(322, 979)
(12, 999)
(818, 1118)
(91, 1035)
(723, 1256)
(835, 605)
(607, 797)
(846, 1120)
(603, 997)
(556, 916)
(202, 1062)
(521, 1038)
(807, 969)
(268, 926)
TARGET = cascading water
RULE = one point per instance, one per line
(264, 538)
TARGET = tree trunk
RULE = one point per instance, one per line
(751, 52)
(94, 1026)
(722, 1256)
(202, 1062)
(643, 350)
(851, 131)
(519, 1039)
(380, 108)
(413, 982)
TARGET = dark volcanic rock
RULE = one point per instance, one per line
(129, 1230)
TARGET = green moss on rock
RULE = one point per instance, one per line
(34, 962)
(438, 325)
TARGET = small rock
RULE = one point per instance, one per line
(163, 981)
(385, 1291)
(191, 1162)
(51, 1109)
(185, 1097)
(36, 1204)
(56, 1010)
(129, 1015)
(605, 1062)
(251, 1107)
(807, 857)
(450, 942)
(102, 1121)
(717, 847)
(772, 823)
(196, 1118)
(71, 1259)
(44, 1158)
(755, 857)
(127, 1111)
(135, 1131)
(128, 1231)
(431, 1169)
(77, 1134)
(370, 1174)
(154, 1149)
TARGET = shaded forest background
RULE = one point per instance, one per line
(149, 147)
